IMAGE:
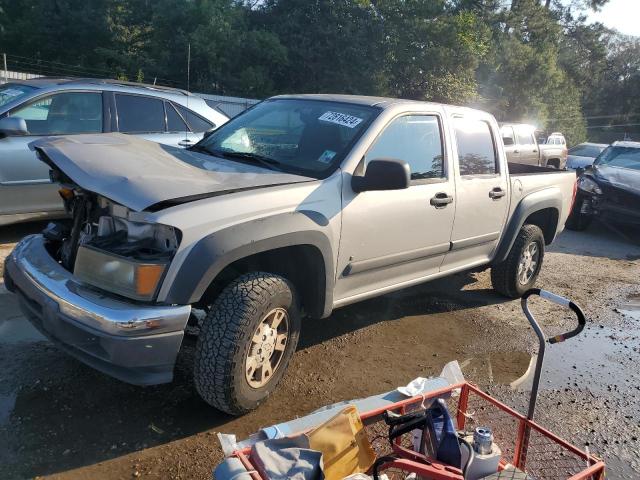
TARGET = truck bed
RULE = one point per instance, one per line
(523, 169)
(528, 179)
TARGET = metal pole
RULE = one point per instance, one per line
(526, 433)
(6, 73)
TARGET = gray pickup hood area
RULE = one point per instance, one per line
(140, 174)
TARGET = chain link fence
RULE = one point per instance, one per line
(8, 75)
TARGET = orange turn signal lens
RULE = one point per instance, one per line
(147, 278)
(66, 193)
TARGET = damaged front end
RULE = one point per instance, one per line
(107, 246)
(90, 285)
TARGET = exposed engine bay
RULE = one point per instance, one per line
(104, 225)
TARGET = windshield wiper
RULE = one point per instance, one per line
(199, 148)
(268, 162)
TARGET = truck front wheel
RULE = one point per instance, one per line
(246, 342)
(519, 272)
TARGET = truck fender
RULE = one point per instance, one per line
(211, 254)
(530, 204)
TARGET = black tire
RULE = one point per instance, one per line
(504, 275)
(577, 220)
(226, 337)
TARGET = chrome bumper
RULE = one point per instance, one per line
(132, 342)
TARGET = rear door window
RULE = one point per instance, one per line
(175, 123)
(508, 137)
(525, 136)
(476, 149)
(138, 114)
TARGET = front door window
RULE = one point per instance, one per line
(63, 114)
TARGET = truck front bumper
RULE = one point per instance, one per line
(132, 342)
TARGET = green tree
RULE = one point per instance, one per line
(523, 78)
(331, 45)
(431, 52)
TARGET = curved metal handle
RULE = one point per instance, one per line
(565, 302)
(497, 193)
(557, 299)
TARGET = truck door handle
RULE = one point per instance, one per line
(516, 151)
(441, 200)
(497, 193)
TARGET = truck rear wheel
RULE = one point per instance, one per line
(246, 342)
(519, 272)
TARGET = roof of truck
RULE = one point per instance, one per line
(355, 99)
(516, 124)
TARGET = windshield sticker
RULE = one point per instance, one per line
(327, 156)
(340, 119)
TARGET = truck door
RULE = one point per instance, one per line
(527, 145)
(482, 196)
(394, 238)
(511, 148)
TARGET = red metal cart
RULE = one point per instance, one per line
(525, 445)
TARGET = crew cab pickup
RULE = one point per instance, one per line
(301, 205)
(521, 146)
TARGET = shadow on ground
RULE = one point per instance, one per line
(601, 240)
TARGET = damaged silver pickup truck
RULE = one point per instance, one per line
(301, 205)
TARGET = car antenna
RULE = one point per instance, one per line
(186, 125)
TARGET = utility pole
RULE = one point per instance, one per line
(6, 73)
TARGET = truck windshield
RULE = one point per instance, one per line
(11, 92)
(308, 137)
(618, 156)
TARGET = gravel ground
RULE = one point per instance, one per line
(61, 419)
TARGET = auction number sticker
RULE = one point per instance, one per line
(340, 119)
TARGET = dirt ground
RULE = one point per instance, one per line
(61, 419)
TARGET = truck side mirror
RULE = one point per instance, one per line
(13, 126)
(383, 174)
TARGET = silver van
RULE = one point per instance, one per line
(65, 106)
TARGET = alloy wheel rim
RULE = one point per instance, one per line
(267, 348)
(528, 264)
